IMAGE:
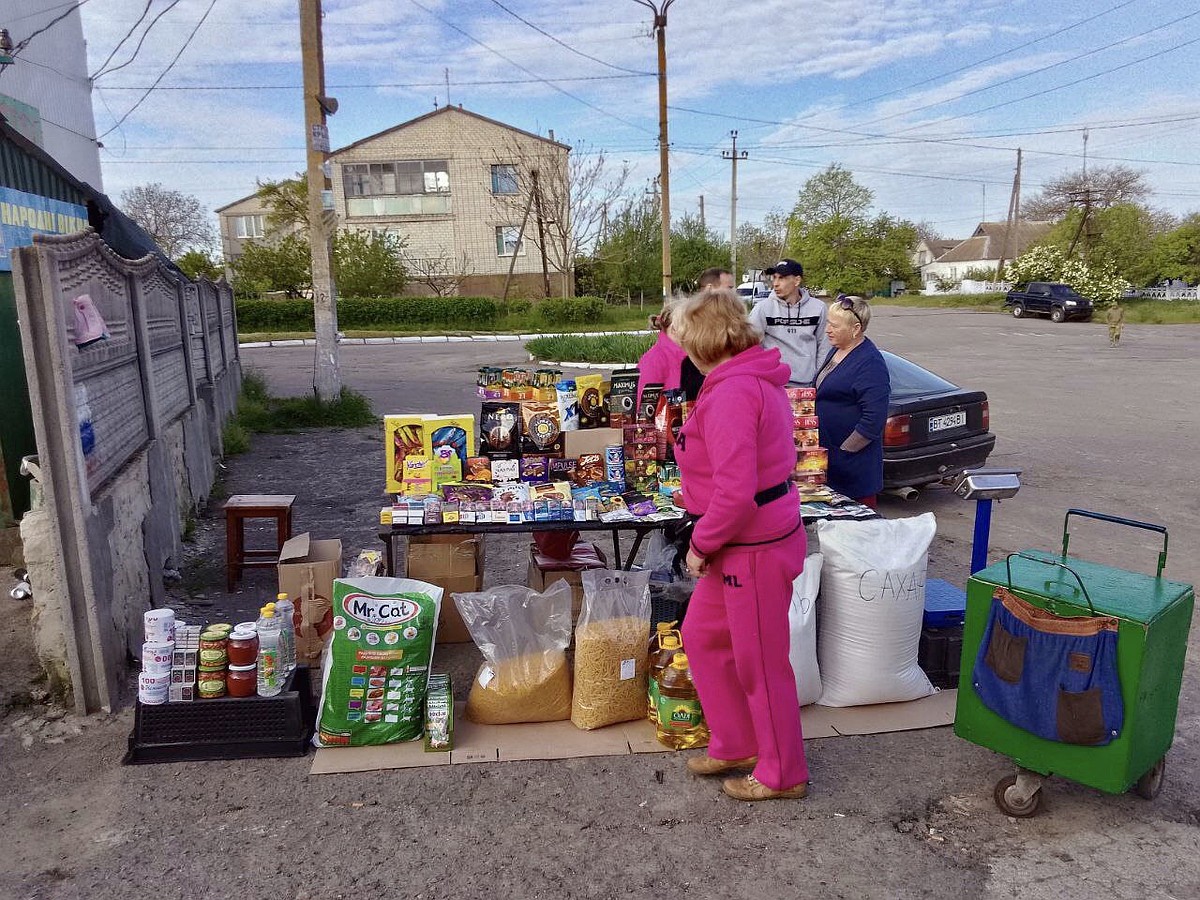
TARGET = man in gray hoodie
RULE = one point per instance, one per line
(794, 321)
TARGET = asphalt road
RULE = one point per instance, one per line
(900, 815)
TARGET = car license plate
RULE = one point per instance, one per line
(950, 420)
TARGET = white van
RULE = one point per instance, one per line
(753, 291)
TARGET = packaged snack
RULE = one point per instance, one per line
(806, 439)
(479, 468)
(622, 400)
(464, 492)
(439, 714)
(433, 511)
(500, 430)
(450, 512)
(447, 467)
(510, 492)
(803, 400)
(590, 469)
(590, 400)
(805, 423)
(383, 628)
(506, 470)
(540, 434)
(563, 469)
(650, 395)
(815, 460)
(404, 436)
(456, 432)
(535, 468)
(558, 490)
(418, 475)
(605, 403)
(639, 504)
(567, 401)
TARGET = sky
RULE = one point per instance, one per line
(926, 104)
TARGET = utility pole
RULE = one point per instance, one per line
(983, 208)
(512, 261)
(537, 202)
(327, 377)
(1013, 220)
(664, 163)
(733, 156)
(1085, 137)
(703, 226)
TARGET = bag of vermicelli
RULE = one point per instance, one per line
(522, 635)
(610, 648)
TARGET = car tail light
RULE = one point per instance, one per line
(896, 431)
(987, 417)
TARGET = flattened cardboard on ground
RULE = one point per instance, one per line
(475, 743)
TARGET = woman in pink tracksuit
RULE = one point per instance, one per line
(736, 455)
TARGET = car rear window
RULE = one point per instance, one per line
(910, 380)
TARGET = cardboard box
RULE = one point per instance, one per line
(590, 440)
(454, 562)
(307, 569)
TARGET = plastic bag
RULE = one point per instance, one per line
(377, 665)
(802, 623)
(872, 608)
(610, 648)
(660, 558)
(522, 635)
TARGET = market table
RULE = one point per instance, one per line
(842, 507)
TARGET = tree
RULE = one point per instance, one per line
(578, 191)
(833, 194)
(287, 204)
(368, 264)
(927, 232)
(443, 274)
(283, 265)
(629, 258)
(841, 246)
(694, 249)
(1100, 282)
(1176, 253)
(760, 246)
(1122, 235)
(1109, 186)
(176, 221)
(195, 263)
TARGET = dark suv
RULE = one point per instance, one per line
(1058, 301)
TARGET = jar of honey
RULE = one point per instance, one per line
(242, 648)
(242, 680)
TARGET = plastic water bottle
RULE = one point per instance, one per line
(270, 673)
(284, 610)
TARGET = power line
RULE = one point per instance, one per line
(149, 90)
(128, 35)
(382, 84)
(566, 45)
(513, 62)
(142, 40)
(25, 43)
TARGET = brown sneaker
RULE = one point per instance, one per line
(750, 788)
(707, 765)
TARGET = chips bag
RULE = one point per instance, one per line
(377, 665)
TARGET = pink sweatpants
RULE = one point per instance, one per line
(736, 637)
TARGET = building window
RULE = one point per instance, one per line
(506, 241)
(504, 179)
(411, 187)
(248, 227)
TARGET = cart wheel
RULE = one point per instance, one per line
(1010, 808)
(1148, 786)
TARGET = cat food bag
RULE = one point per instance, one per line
(377, 664)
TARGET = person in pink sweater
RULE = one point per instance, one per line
(736, 456)
(663, 362)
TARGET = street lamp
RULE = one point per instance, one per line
(660, 29)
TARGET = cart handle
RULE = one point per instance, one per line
(1117, 520)
(1048, 562)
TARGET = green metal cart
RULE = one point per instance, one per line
(1152, 617)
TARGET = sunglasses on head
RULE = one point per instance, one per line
(847, 303)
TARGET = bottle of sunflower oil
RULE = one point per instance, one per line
(680, 722)
(661, 631)
(659, 660)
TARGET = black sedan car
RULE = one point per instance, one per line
(934, 430)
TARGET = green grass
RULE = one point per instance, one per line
(1159, 312)
(259, 412)
(612, 348)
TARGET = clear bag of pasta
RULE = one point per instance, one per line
(523, 636)
(610, 648)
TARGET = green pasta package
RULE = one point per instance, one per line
(377, 664)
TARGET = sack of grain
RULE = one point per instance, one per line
(522, 635)
(610, 648)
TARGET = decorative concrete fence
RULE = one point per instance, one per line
(132, 372)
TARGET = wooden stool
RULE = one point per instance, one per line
(240, 507)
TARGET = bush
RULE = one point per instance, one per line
(609, 348)
(369, 313)
(571, 310)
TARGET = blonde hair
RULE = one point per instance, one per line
(861, 308)
(712, 324)
(662, 320)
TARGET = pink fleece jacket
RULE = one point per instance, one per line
(738, 442)
(661, 364)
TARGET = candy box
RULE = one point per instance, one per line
(816, 460)
(807, 439)
(622, 399)
(404, 436)
(454, 431)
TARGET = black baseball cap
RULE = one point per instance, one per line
(786, 267)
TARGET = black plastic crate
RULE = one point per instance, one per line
(940, 654)
(226, 728)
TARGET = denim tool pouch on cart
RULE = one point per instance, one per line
(1050, 675)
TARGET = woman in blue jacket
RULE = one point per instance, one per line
(852, 402)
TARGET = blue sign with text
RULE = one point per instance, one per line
(24, 215)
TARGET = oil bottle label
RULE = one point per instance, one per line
(676, 714)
